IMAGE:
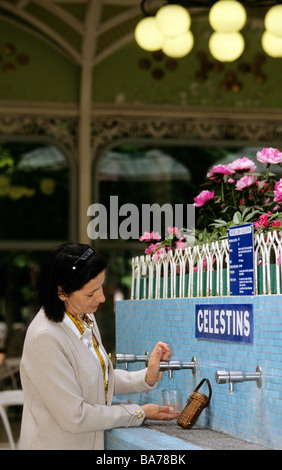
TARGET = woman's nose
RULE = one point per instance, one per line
(101, 296)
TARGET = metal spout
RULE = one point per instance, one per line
(164, 365)
(128, 358)
(178, 365)
(223, 376)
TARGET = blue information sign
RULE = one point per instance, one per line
(241, 256)
(224, 322)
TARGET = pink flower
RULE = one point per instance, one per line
(203, 197)
(172, 229)
(147, 237)
(219, 170)
(175, 231)
(158, 252)
(269, 155)
(262, 221)
(245, 182)
(150, 249)
(154, 247)
(278, 191)
(276, 223)
(263, 187)
(242, 164)
(180, 244)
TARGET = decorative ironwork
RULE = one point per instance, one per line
(207, 128)
(62, 129)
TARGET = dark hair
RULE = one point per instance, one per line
(70, 266)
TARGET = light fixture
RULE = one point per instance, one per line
(226, 47)
(168, 29)
(148, 35)
(227, 16)
(173, 20)
(179, 46)
(273, 20)
(271, 40)
(271, 44)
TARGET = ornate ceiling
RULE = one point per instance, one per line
(84, 30)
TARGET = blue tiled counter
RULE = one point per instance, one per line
(142, 438)
(250, 412)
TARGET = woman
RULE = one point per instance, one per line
(66, 376)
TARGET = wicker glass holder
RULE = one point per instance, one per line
(194, 406)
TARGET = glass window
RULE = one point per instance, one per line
(36, 204)
(34, 192)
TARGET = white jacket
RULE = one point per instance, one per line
(64, 391)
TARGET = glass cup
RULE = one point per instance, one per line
(172, 398)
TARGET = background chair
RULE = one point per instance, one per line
(9, 373)
(10, 398)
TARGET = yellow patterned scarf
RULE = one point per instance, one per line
(81, 329)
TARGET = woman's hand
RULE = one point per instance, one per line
(158, 412)
(161, 352)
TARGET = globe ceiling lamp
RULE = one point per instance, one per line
(273, 20)
(227, 16)
(271, 40)
(168, 31)
(272, 45)
(178, 46)
(148, 36)
(173, 20)
(167, 28)
(226, 47)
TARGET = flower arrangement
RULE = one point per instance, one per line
(234, 194)
(175, 240)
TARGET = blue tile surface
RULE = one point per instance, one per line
(250, 413)
(141, 438)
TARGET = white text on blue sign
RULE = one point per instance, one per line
(231, 322)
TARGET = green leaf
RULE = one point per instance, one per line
(237, 218)
(251, 215)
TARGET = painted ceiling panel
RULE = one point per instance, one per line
(70, 24)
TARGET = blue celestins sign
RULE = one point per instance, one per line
(224, 322)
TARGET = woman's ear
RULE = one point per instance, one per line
(61, 294)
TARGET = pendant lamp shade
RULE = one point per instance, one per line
(179, 46)
(169, 29)
(271, 44)
(227, 16)
(226, 47)
(173, 20)
(147, 34)
(273, 21)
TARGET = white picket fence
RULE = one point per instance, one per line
(202, 271)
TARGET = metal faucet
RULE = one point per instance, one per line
(223, 376)
(164, 365)
(178, 365)
(127, 358)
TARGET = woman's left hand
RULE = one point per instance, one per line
(161, 352)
